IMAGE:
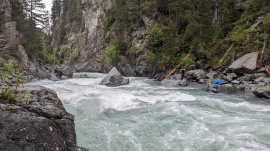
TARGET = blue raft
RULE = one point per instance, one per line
(217, 82)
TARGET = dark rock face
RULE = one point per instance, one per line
(262, 92)
(41, 123)
(114, 79)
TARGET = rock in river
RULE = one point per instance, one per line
(114, 79)
(39, 123)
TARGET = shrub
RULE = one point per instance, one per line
(74, 57)
(110, 54)
(14, 50)
(8, 71)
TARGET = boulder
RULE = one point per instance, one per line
(195, 74)
(266, 80)
(167, 82)
(114, 78)
(66, 71)
(39, 123)
(262, 92)
(183, 82)
(53, 77)
(259, 79)
(230, 77)
(245, 64)
(64, 77)
(225, 88)
(84, 76)
(235, 82)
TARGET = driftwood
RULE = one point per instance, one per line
(227, 52)
(176, 67)
(267, 68)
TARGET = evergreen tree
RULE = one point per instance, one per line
(56, 9)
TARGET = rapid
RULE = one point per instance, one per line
(143, 116)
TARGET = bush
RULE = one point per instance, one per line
(151, 57)
(111, 55)
(74, 57)
(7, 73)
(14, 50)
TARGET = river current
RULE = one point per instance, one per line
(142, 116)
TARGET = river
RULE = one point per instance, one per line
(142, 116)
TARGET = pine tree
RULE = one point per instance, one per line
(56, 10)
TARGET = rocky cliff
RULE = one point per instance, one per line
(87, 37)
(37, 123)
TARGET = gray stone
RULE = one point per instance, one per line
(183, 82)
(202, 81)
(266, 80)
(226, 88)
(64, 77)
(53, 77)
(167, 82)
(195, 74)
(259, 79)
(39, 123)
(114, 78)
(235, 82)
(262, 92)
(230, 77)
(245, 64)
(246, 77)
(84, 76)
(67, 72)
(212, 75)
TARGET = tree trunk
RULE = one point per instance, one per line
(201, 43)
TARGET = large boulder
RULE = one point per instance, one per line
(245, 64)
(114, 78)
(262, 92)
(37, 123)
(66, 71)
(225, 88)
(195, 74)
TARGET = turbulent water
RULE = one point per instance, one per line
(142, 116)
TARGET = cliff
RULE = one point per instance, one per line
(149, 38)
(37, 123)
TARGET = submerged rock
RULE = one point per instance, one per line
(38, 123)
(84, 76)
(114, 79)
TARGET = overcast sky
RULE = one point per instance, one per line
(48, 4)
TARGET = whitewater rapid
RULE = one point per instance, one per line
(142, 116)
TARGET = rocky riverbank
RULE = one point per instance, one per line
(37, 123)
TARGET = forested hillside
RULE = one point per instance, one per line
(161, 32)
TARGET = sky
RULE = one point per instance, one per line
(48, 4)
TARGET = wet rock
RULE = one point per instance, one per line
(262, 92)
(226, 88)
(114, 78)
(64, 77)
(39, 123)
(167, 82)
(53, 77)
(203, 81)
(66, 71)
(245, 64)
(183, 82)
(84, 76)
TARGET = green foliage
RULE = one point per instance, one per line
(146, 4)
(151, 57)
(78, 14)
(110, 54)
(156, 37)
(75, 56)
(7, 73)
(14, 50)
(1, 20)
